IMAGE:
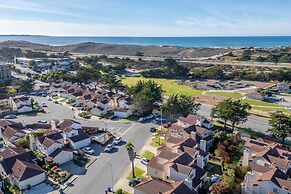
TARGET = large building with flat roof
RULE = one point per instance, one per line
(5, 72)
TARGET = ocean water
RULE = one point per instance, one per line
(244, 41)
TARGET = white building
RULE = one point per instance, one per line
(21, 104)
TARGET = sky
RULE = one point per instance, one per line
(164, 18)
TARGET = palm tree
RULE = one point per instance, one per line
(160, 133)
(130, 150)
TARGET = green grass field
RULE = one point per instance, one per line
(169, 86)
(260, 103)
(234, 95)
(148, 155)
(138, 173)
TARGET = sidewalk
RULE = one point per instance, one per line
(122, 183)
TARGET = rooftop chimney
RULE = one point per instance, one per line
(200, 161)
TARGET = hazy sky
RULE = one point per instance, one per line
(146, 17)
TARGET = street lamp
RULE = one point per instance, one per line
(110, 165)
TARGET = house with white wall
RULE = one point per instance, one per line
(18, 166)
(21, 104)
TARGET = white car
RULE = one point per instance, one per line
(10, 117)
(88, 150)
(109, 147)
(43, 104)
(145, 161)
(43, 122)
(117, 140)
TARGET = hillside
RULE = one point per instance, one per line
(114, 49)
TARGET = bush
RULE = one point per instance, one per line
(85, 115)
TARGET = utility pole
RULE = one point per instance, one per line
(110, 165)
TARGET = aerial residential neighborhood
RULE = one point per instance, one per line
(145, 97)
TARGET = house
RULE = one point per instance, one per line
(21, 104)
(98, 111)
(180, 160)
(283, 87)
(19, 168)
(255, 95)
(52, 145)
(262, 179)
(268, 154)
(73, 133)
(11, 132)
(155, 186)
(122, 112)
(5, 72)
(194, 120)
(270, 164)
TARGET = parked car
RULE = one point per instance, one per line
(43, 122)
(109, 147)
(10, 117)
(49, 99)
(134, 182)
(117, 140)
(141, 120)
(113, 117)
(153, 129)
(88, 150)
(56, 102)
(43, 104)
(145, 161)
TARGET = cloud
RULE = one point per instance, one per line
(20, 5)
(182, 28)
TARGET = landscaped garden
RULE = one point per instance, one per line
(148, 155)
(139, 173)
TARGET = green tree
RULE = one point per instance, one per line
(239, 112)
(23, 85)
(281, 125)
(112, 83)
(146, 95)
(131, 154)
(234, 111)
(221, 110)
(180, 104)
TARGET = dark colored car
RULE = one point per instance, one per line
(134, 182)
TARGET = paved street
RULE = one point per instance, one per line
(256, 123)
(60, 112)
(98, 177)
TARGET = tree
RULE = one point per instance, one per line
(281, 125)
(221, 110)
(146, 95)
(234, 111)
(131, 153)
(239, 112)
(180, 104)
(112, 83)
(220, 188)
(23, 85)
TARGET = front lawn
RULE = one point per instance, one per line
(55, 97)
(155, 142)
(63, 100)
(234, 95)
(169, 85)
(216, 167)
(138, 173)
(148, 155)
